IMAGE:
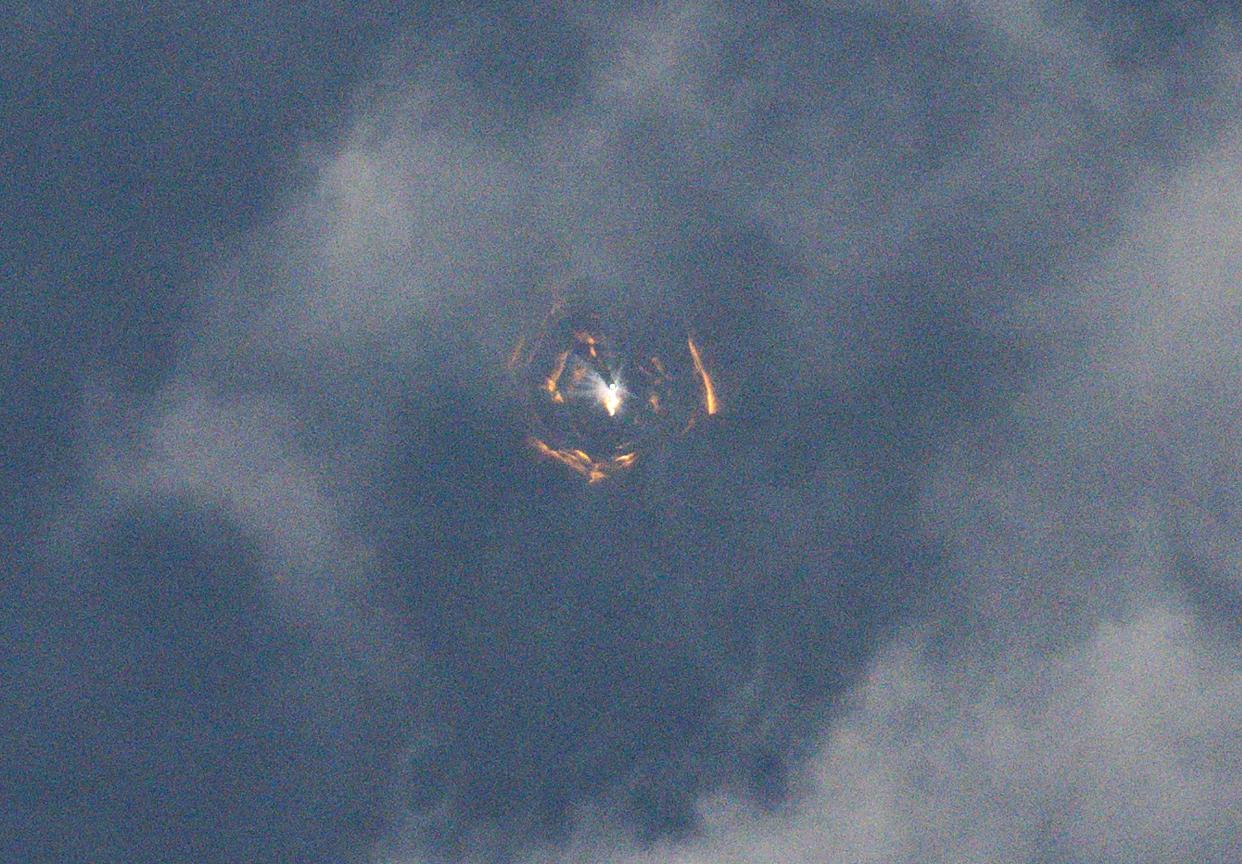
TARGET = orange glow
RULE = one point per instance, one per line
(569, 373)
(588, 340)
(580, 462)
(552, 383)
(709, 391)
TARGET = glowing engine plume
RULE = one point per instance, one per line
(709, 391)
(588, 417)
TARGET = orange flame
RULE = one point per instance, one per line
(579, 461)
(552, 382)
(589, 340)
(709, 391)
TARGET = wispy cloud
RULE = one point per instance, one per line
(973, 307)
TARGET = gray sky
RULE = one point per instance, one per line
(952, 577)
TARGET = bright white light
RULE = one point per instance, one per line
(590, 384)
(610, 396)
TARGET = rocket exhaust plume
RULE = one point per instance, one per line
(709, 391)
(588, 417)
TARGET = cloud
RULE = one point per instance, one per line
(228, 458)
(1122, 747)
(843, 164)
(1067, 699)
(1060, 703)
(887, 226)
(1176, 349)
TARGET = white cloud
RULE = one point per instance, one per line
(439, 199)
(1123, 748)
(1061, 704)
(1088, 720)
(1180, 347)
(1082, 715)
(1073, 710)
(238, 457)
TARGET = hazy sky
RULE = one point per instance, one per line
(954, 576)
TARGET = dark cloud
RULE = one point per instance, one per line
(911, 242)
